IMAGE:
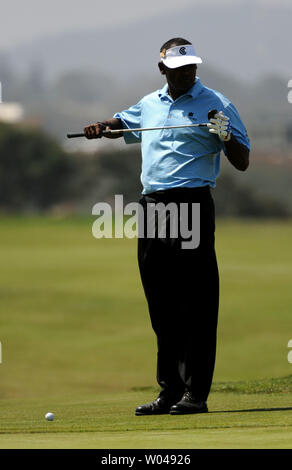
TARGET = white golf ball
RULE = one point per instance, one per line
(50, 416)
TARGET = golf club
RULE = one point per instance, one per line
(211, 114)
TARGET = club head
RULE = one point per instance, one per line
(212, 113)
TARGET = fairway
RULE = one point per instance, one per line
(76, 340)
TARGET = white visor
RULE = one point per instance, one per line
(179, 55)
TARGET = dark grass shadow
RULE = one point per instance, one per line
(251, 410)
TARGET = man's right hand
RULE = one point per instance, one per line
(94, 131)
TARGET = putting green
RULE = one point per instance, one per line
(76, 340)
(108, 421)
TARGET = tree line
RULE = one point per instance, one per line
(38, 175)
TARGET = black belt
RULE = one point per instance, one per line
(179, 193)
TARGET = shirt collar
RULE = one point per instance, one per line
(194, 91)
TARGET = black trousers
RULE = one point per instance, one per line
(182, 291)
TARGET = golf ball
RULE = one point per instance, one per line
(50, 416)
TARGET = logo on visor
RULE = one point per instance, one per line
(163, 53)
(182, 51)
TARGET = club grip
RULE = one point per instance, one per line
(72, 136)
(81, 134)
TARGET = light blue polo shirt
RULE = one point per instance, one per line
(187, 157)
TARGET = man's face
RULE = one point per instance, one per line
(181, 78)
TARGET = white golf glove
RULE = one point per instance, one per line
(220, 125)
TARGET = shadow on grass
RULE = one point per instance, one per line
(252, 410)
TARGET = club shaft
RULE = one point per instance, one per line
(139, 129)
(142, 129)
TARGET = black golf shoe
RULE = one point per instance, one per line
(188, 405)
(160, 406)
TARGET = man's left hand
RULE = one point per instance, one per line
(220, 125)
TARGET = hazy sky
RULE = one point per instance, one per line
(39, 17)
(22, 20)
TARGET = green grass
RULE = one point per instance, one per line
(76, 340)
(108, 421)
(276, 385)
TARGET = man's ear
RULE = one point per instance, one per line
(161, 68)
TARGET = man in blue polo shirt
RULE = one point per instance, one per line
(179, 166)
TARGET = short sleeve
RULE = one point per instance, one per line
(131, 119)
(237, 127)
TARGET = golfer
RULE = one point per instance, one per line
(179, 166)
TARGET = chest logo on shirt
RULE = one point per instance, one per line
(192, 116)
(182, 116)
